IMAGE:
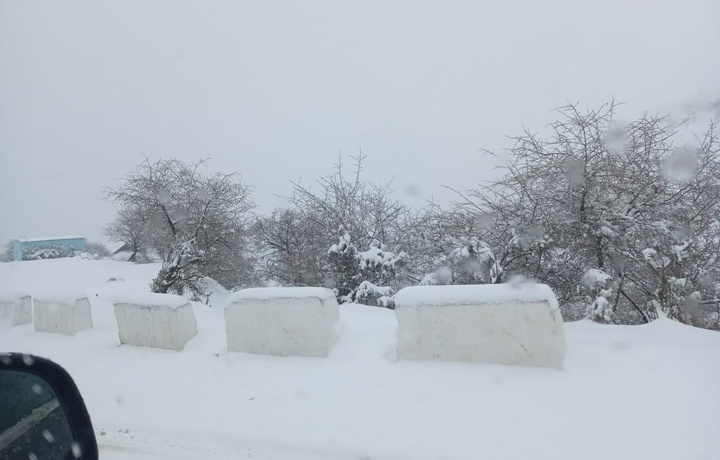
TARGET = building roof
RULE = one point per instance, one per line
(49, 238)
(118, 247)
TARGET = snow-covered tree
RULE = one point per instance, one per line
(289, 248)
(344, 269)
(363, 276)
(132, 226)
(345, 231)
(598, 194)
(196, 222)
(473, 262)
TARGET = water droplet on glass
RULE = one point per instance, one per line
(32, 456)
(412, 190)
(48, 436)
(616, 139)
(77, 452)
(485, 220)
(36, 388)
(682, 164)
(574, 171)
(28, 360)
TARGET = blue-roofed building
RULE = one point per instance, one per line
(47, 248)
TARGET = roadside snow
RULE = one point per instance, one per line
(642, 392)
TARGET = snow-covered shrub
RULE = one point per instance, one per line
(363, 277)
(439, 277)
(53, 252)
(598, 286)
(344, 266)
(370, 294)
(346, 231)
(473, 262)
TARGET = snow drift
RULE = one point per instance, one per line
(492, 323)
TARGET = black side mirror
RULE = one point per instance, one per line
(42, 415)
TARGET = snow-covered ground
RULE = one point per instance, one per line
(626, 392)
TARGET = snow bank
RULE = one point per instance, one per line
(282, 321)
(15, 308)
(492, 323)
(61, 313)
(154, 320)
(664, 374)
(49, 238)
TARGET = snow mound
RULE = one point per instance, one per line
(155, 320)
(500, 324)
(15, 308)
(282, 321)
(62, 314)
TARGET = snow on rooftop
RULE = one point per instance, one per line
(282, 293)
(49, 238)
(475, 294)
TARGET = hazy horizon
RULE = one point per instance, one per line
(277, 90)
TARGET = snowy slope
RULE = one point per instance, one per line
(643, 392)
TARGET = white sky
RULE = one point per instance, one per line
(276, 89)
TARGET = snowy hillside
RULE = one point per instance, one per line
(626, 392)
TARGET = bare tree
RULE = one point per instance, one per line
(297, 241)
(196, 222)
(132, 227)
(620, 199)
(365, 210)
(291, 253)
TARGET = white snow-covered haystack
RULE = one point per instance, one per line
(61, 313)
(516, 324)
(15, 308)
(282, 321)
(154, 320)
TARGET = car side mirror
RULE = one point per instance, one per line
(42, 415)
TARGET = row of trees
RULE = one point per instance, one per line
(621, 222)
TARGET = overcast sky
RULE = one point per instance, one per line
(276, 89)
